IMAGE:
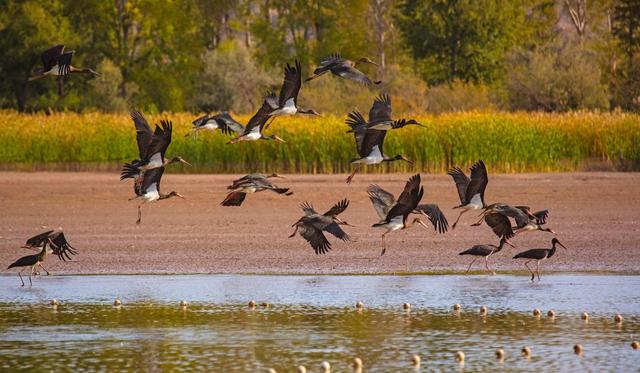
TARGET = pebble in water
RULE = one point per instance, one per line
(500, 354)
(325, 367)
(551, 314)
(117, 302)
(536, 312)
(460, 357)
(584, 316)
(618, 319)
(526, 352)
(577, 349)
(301, 369)
(483, 310)
(415, 360)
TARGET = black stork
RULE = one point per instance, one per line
(222, 121)
(538, 255)
(497, 217)
(287, 103)
(312, 225)
(252, 183)
(152, 147)
(397, 216)
(258, 123)
(57, 62)
(380, 116)
(470, 191)
(384, 201)
(484, 251)
(344, 68)
(50, 242)
(147, 187)
(369, 142)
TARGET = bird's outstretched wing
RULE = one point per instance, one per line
(500, 225)
(435, 215)
(151, 177)
(335, 230)
(358, 126)
(160, 140)
(408, 200)
(381, 199)
(38, 239)
(478, 183)
(50, 56)
(259, 119)
(462, 182)
(327, 63)
(351, 73)
(227, 124)
(316, 238)
(338, 208)
(292, 83)
(64, 63)
(234, 199)
(541, 216)
(381, 109)
(308, 209)
(143, 132)
(60, 246)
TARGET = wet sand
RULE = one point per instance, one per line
(596, 215)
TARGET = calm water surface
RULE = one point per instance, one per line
(312, 318)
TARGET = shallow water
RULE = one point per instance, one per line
(312, 318)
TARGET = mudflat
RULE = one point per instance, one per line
(596, 216)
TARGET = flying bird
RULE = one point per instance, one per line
(498, 215)
(312, 225)
(258, 123)
(222, 121)
(470, 191)
(147, 187)
(57, 62)
(344, 68)
(49, 242)
(538, 255)
(397, 216)
(380, 116)
(252, 183)
(287, 103)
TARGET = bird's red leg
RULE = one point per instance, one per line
(384, 244)
(294, 232)
(31, 274)
(470, 264)
(41, 266)
(532, 275)
(139, 214)
(486, 264)
(352, 175)
(20, 275)
(458, 219)
(538, 269)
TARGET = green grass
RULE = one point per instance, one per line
(507, 142)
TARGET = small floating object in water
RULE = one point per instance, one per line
(415, 360)
(536, 312)
(264, 305)
(584, 316)
(54, 303)
(252, 304)
(117, 302)
(551, 314)
(500, 354)
(460, 357)
(577, 349)
(618, 319)
(183, 303)
(359, 305)
(406, 306)
(301, 369)
(357, 363)
(325, 367)
(483, 310)
(456, 307)
(635, 345)
(526, 352)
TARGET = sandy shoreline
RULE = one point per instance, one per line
(596, 216)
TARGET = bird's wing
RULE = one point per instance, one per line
(227, 124)
(234, 199)
(358, 125)
(478, 183)
(64, 62)
(50, 56)
(338, 208)
(371, 139)
(292, 83)
(150, 177)
(435, 215)
(381, 199)
(327, 63)
(335, 230)
(381, 109)
(500, 225)
(61, 247)
(143, 132)
(308, 209)
(408, 200)
(462, 182)
(532, 254)
(315, 237)
(160, 140)
(39, 239)
(351, 73)
(541, 216)
(259, 119)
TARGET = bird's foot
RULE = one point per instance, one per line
(383, 251)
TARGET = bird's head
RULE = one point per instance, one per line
(275, 174)
(173, 193)
(415, 123)
(367, 60)
(401, 157)
(309, 111)
(179, 159)
(274, 137)
(555, 242)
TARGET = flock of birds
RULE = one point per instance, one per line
(394, 214)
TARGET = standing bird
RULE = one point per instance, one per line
(369, 141)
(223, 122)
(397, 216)
(152, 147)
(51, 242)
(383, 201)
(147, 188)
(257, 123)
(538, 255)
(497, 217)
(344, 68)
(57, 62)
(287, 103)
(312, 225)
(252, 183)
(486, 251)
(470, 191)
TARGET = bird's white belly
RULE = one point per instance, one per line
(155, 161)
(254, 134)
(211, 125)
(475, 203)
(374, 157)
(54, 71)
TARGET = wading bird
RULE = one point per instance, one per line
(57, 62)
(369, 142)
(343, 68)
(287, 103)
(486, 251)
(252, 183)
(152, 147)
(538, 255)
(50, 242)
(397, 216)
(147, 187)
(383, 201)
(497, 217)
(312, 225)
(223, 122)
(258, 123)
(470, 191)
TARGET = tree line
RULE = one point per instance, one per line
(433, 55)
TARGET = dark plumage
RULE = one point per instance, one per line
(470, 190)
(222, 121)
(287, 102)
(312, 225)
(344, 68)
(252, 183)
(484, 251)
(258, 123)
(57, 62)
(538, 255)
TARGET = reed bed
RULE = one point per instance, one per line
(507, 142)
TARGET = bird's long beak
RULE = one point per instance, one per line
(422, 223)
(342, 222)
(510, 244)
(180, 195)
(185, 162)
(554, 232)
(278, 138)
(421, 125)
(559, 243)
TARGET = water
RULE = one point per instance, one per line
(311, 319)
